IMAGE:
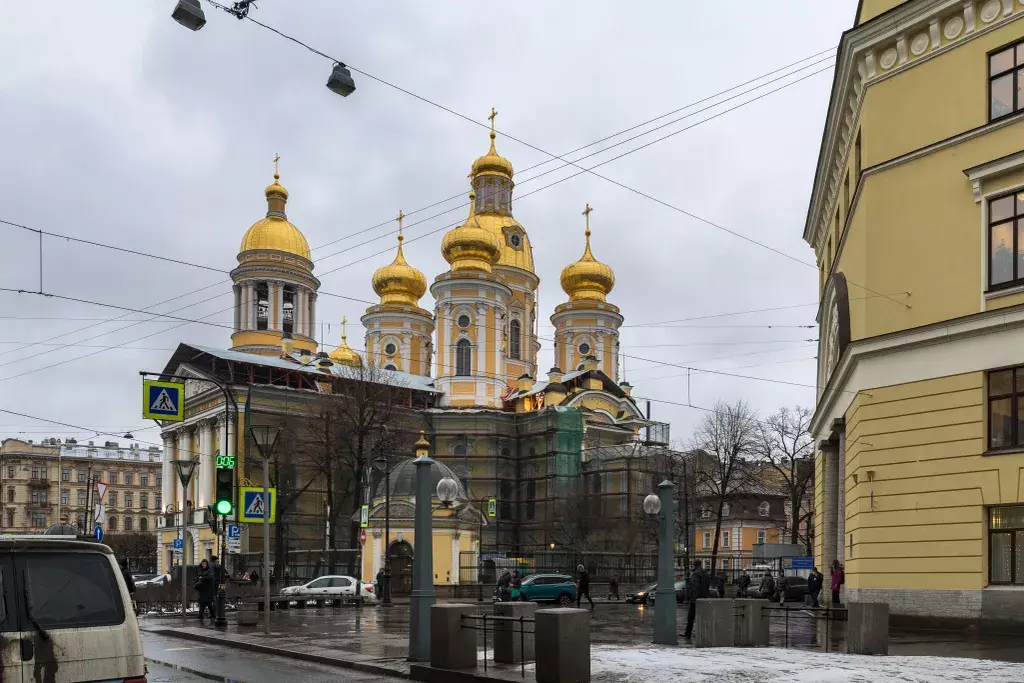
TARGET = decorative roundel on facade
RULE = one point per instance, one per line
(889, 58)
(919, 44)
(584, 348)
(990, 10)
(390, 348)
(463, 321)
(515, 240)
(953, 27)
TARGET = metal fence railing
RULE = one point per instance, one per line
(512, 622)
(804, 626)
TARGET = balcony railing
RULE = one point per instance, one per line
(39, 483)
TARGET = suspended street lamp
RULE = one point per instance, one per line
(189, 14)
(341, 82)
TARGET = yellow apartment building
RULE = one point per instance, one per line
(917, 221)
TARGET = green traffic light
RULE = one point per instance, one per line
(223, 507)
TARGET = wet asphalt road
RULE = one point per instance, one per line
(226, 664)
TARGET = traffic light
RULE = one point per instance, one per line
(225, 504)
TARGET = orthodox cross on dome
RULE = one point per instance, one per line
(494, 115)
(586, 212)
(401, 216)
(344, 326)
(277, 158)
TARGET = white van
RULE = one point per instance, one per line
(65, 614)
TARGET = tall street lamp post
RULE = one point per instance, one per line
(381, 463)
(662, 506)
(185, 470)
(265, 437)
(423, 561)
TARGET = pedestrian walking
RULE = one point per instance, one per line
(583, 586)
(204, 584)
(743, 584)
(782, 588)
(517, 581)
(505, 586)
(698, 586)
(767, 588)
(129, 580)
(613, 588)
(838, 579)
(814, 583)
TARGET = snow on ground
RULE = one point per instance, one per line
(775, 665)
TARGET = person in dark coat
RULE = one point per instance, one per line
(505, 586)
(814, 583)
(697, 587)
(129, 580)
(583, 586)
(613, 588)
(782, 588)
(207, 588)
(743, 584)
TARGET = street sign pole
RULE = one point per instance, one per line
(185, 470)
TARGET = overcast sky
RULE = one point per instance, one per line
(125, 128)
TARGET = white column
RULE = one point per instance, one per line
(377, 541)
(277, 306)
(481, 340)
(168, 478)
(206, 463)
(312, 315)
(300, 311)
(251, 308)
(455, 558)
(237, 310)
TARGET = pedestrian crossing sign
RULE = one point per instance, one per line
(252, 508)
(163, 400)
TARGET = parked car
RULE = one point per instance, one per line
(65, 610)
(680, 587)
(331, 587)
(641, 596)
(558, 588)
(154, 580)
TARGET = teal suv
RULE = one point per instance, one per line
(558, 588)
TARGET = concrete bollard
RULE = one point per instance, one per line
(751, 623)
(867, 628)
(715, 625)
(511, 646)
(452, 642)
(563, 645)
(248, 613)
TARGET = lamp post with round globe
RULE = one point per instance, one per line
(423, 561)
(662, 506)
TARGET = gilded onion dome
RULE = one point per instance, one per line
(492, 163)
(399, 283)
(344, 354)
(275, 232)
(588, 279)
(470, 246)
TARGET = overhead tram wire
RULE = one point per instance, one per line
(555, 156)
(326, 293)
(408, 240)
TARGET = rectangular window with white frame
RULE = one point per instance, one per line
(707, 539)
(1006, 241)
(762, 536)
(725, 539)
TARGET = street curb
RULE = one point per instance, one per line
(194, 672)
(280, 652)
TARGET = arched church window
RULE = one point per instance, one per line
(391, 367)
(262, 306)
(288, 317)
(463, 358)
(515, 334)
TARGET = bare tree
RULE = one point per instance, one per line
(724, 442)
(784, 442)
(343, 432)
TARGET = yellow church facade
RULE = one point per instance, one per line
(917, 221)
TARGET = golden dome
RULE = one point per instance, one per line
(470, 246)
(492, 163)
(399, 283)
(344, 354)
(588, 279)
(275, 232)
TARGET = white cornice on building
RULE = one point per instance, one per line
(912, 33)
